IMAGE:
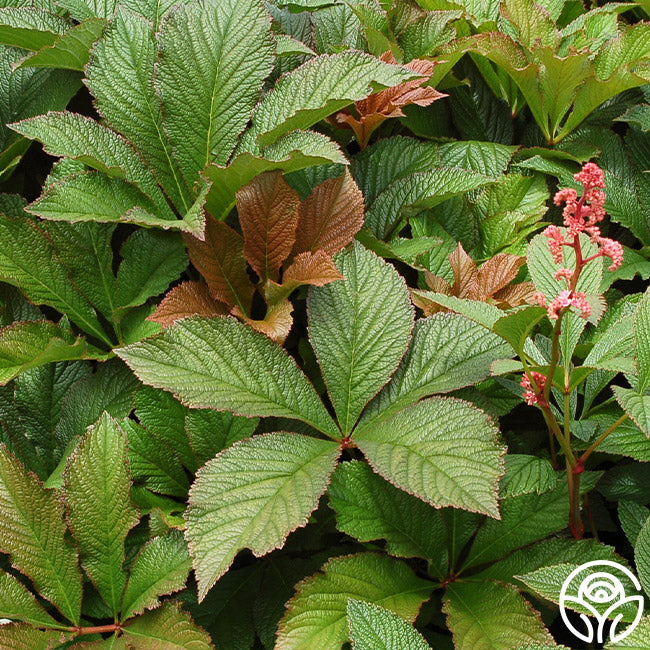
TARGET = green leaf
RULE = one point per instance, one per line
(97, 486)
(221, 363)
(359, 328)
(32, 533)
(376, 628)
(316, 616)
(153, 10)
(636, 406)
(369, 508)
(17, 636)
(291, 152)
(85, 139)
(444, 451)
(526, 474)
(120, 73)
(30, 28)
(214, 57)
(151, 260)
(320, 87)
(642, 341)
(153, 462)
(548, 582)
(93, 196)
(524, 519)
(209, 432)
(164, 418)
(253, 495)
(637, 640)
(27, 261)
(84, 9)
(86, 251)
(166, 628)
(27, 92)
(412, 194)
(18, 604)
(447, 352)
(642, 555)
(161, 567)
(109, 389)
(28, 345)
(632, 517)
(517, 326)
(491, 616)
(71, 50)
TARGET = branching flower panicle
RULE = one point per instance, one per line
(581, 215)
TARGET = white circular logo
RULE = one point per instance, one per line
(601, 593)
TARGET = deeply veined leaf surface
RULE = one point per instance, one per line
(32, 533)
(443, 450)
(253, 495)
(221, 363)
(376, 628)
(214, 57)
(316, 616)
(97, 492)
(359, 328)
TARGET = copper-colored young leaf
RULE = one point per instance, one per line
(515, 294)
(465, 274)
(268, 214)
(187, 299)
(498, 272)
(388, 103)
(317, 269)
(437, 284)
(330, 216)
(277, 322)
(220, 260)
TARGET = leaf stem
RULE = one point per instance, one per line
(590, 450)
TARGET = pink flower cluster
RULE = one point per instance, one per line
(565, 298)
(534, 395)
(580, 215)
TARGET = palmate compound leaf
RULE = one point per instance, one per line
(359, 328)
(490, 615)
(253, 495)
(443, 450)
(316, 616)
(32, 533)
(214, 57)
(221, 363)
(318, 88)
(447, 352)
(100, 513)
(376, 628)
(166, 628)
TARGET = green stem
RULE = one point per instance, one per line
(590, 450)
